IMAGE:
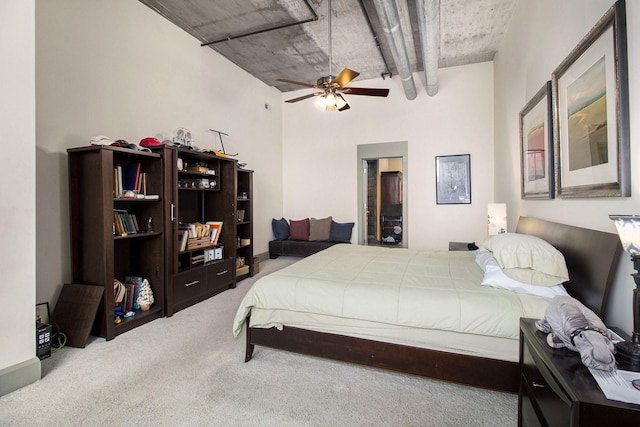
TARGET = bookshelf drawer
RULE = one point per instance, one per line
(220, 273)
(189, 284)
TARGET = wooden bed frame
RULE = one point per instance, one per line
(591, 258)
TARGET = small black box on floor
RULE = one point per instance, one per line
(43, 340)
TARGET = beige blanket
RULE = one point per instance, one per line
(392, 286)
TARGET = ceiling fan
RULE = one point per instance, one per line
(332, 87)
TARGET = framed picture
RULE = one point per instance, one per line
(536, 146)
(42, 313)
(453, 179)
(591, 114)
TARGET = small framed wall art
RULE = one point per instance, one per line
(536, 146)
(453, 179)
(42, 313)
(591, 122)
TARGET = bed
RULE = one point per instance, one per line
(417, 312)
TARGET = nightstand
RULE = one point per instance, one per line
(458, 246)
(556, 389)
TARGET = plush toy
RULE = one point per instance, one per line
(570, 324)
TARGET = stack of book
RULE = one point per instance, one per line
(124, 223)
(129, 177)
(126, 301)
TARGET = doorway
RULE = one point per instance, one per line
(382, 194)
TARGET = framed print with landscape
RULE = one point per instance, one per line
(453, 179)
(591, 121)
(536, 146)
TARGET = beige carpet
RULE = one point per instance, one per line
(188, 370)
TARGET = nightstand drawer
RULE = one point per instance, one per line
(544, 394)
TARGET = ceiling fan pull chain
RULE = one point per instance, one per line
(330, 55)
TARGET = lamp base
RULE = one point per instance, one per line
(628, 356)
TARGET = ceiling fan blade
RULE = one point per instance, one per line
(344, 77)
(304, 97)
(296, 83)
(346, 107)
(365, 91)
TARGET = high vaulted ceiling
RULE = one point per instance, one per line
(365, 35)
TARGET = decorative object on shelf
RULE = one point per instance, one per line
(222, 152)
(182, 136)
(628, 352)
(536, 146)
(497, 218)
(150, 142)
(453, 179)
(145, 298)
(200, 167)
(591, 96)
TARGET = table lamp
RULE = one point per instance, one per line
(497, 218)
(628, 352)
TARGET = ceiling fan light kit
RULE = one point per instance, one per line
(331, 87)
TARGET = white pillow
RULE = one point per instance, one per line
(495, 277)
(528, 259)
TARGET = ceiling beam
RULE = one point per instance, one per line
(429, 25)
(390, 20)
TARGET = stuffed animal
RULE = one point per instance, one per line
(570, 324)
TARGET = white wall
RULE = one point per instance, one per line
(17, 185)
(119, 69)
(320, 152)
(541, 34)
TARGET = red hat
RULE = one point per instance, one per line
(150, 142)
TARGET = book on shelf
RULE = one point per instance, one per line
(215, 228)
(136, 283)
(117, 181)
(183, 237)
(130, 176)
(142, 184)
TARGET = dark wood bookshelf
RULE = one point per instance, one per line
(188, 283)
(98, 254)
(244, 228)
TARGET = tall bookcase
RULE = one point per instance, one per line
(100, 251)
(244, 224)
(200, 188)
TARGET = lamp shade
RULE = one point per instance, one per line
(628, 227)
(497, 218)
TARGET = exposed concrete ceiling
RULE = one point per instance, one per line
(466, 31)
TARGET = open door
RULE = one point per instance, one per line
(382, 202)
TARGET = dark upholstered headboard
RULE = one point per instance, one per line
(591, 256)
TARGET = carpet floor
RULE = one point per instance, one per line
(189, 370)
